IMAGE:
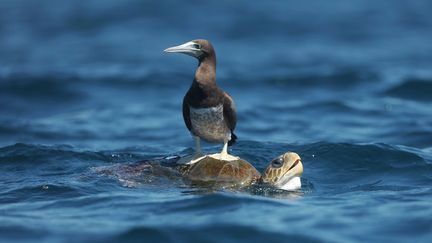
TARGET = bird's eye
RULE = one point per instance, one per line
(278, 162)
(197, 46)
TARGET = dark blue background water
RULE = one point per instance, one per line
(85, 88)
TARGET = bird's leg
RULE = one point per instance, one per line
(190, 159)
(223, 155)
(198, 152)
(224, 152)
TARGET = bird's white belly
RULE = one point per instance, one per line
(209, 124)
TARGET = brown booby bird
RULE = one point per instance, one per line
(208, 112)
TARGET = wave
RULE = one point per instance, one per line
(343, 167)
(73, 185)
(214, 232)
(42, 192)
(42, 88)
(342, 78)
(21, 233)
(66, 82)
(39, 154)
(44, 154)
(413, 89)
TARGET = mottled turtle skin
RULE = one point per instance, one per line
(278, 167)
(239, 172)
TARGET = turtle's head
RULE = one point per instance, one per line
(284, 172)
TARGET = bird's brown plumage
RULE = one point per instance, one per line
(204, 92)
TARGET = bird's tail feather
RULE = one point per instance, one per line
(233, 139)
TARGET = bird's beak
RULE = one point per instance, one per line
(189, 48)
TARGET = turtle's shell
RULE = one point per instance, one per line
(236, 173)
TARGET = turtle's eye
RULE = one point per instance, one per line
(197, 46)
(278, 162)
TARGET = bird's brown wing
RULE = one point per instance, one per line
(186, 114)
(229, 111)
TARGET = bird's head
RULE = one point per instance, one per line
(199, 49)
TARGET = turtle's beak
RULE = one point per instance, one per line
(189, 48)
(295, 170)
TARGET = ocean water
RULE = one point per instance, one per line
(86, 95)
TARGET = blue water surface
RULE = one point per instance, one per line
(86, 92)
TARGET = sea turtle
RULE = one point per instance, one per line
(283, 172)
